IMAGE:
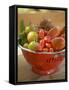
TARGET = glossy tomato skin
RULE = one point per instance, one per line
(45, 49)
(32, 36)
(51, 50)
(42, 43)
(47, 39)
(33, 45)
(45, 32)
(41, 33)
(40, 48)
(58, 43)
(48, 45)
(54, 32)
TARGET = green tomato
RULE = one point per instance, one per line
(32, 36)
(25, 45)
(28, 29)
(33, 45)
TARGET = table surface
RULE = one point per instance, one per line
(25, 73)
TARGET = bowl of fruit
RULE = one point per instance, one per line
(44, 48)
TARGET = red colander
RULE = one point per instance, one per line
(43, 63)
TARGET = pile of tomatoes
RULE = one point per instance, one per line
(47, 41)
(50, 40)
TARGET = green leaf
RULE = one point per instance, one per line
(22, 38)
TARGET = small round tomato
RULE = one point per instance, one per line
(41, 33)
(45, 49)
(47, 39)
(33, 45)
(54, 32)
(25, 45)
(32, 36)
(48, 45)
(28, 29)
(45, 32)
(51, 50)
(42, 43)
(39, 48)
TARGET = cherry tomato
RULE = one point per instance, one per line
(33, 45)
(48, 45)
(41, 33)
(32, 36)
(42, 43)
(51, 50)
(47, 39)
(45, 49)
(45, 32)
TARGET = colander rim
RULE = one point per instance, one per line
(25, 49)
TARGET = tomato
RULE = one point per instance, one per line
(45, 32)
(41, 33)
(54, 32)
(58, 43)
(28, 29)
(32, 36)
(47, 39)
(25, 45)
(42, 43)
(45, 49)
(33, 45)
(48, 45)
(51, 49)
(39, 48)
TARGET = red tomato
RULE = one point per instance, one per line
(45, 33)
(47, 39)
(45, 49)
(40, 48)
(48, 45)
(41, 33)
(54, 32)
(51, 50)
(58, 43)
(42, 43)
